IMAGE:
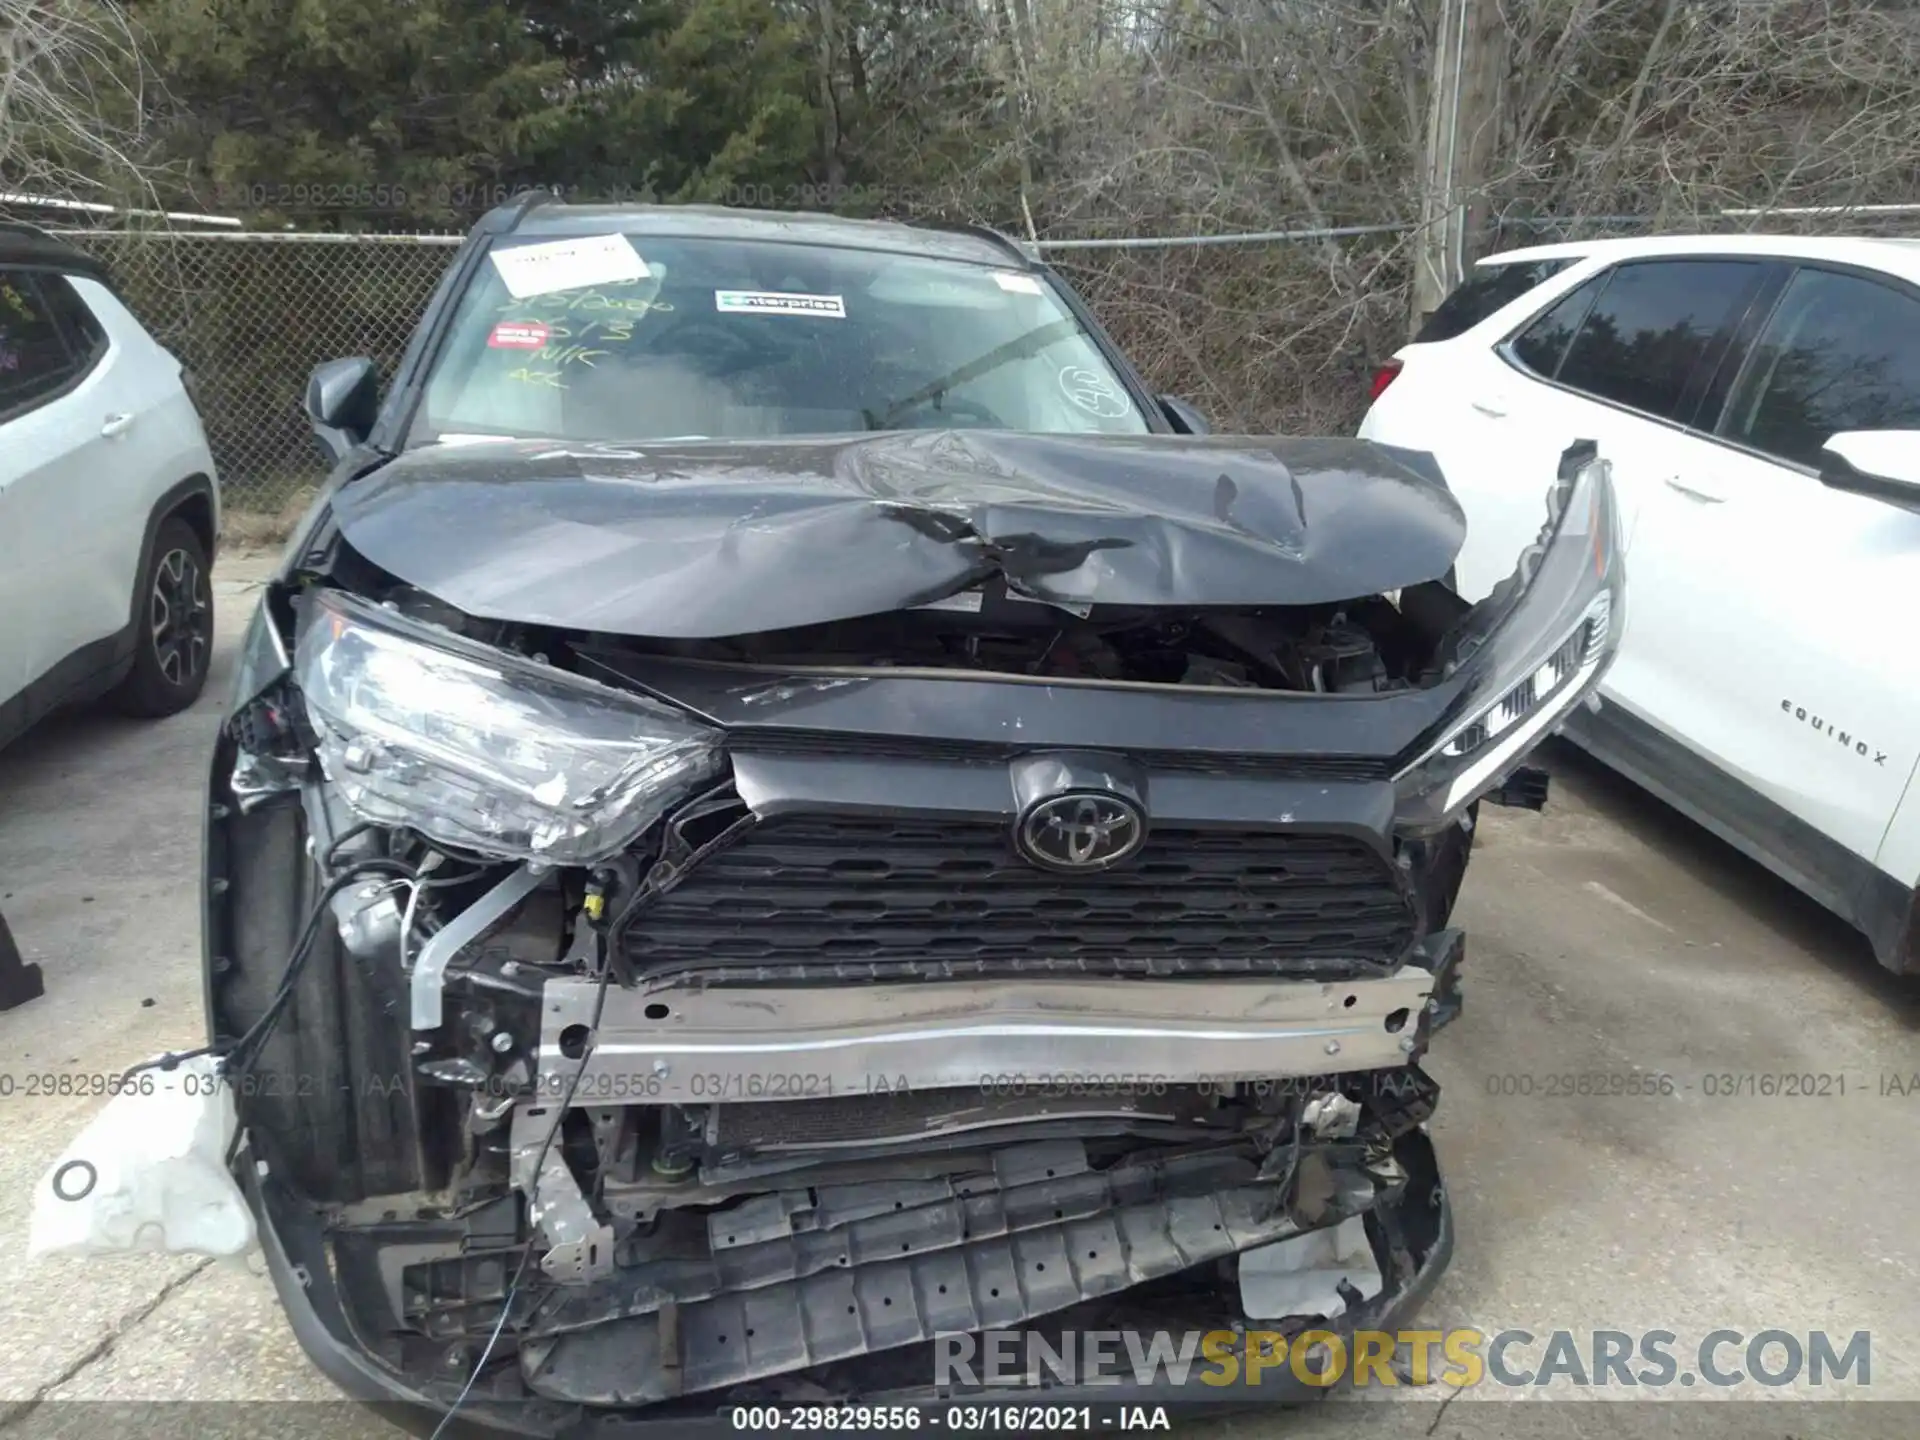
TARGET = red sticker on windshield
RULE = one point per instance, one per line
(518, 335)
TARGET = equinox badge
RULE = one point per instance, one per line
(1834, 732)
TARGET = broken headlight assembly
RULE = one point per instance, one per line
(482, 750)
(1536, 647)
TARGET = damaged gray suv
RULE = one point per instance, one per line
(781, 808)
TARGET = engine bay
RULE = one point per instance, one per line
(1373, 645)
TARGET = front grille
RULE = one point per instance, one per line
(851, 895)
(774, 741)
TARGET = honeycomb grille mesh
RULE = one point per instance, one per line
(832, 891)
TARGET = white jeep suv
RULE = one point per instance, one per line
(1759, 399)
(109, 505)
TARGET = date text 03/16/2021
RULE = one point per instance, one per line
(1233, 1362)
(1709, 1085)
(967, 1418)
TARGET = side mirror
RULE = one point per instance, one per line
(343, 400)
(1182, 416)
(1881, 464)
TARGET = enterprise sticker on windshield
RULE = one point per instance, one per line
(529, 270)
(778, 302)
(1015, 283)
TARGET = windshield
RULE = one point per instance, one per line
(638, 337)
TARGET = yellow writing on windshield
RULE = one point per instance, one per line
(609, 331)
(584, 301)
(573, 328)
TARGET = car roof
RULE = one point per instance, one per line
(1897, 256)
(972, 243)
(28, 245)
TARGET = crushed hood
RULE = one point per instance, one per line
(700, 539)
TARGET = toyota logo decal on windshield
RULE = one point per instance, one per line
(1082, 832)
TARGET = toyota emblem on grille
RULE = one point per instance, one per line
(1082, 831)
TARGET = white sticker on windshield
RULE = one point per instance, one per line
(1017, 283)
(1072, 607)
(778, 302)
(967, 602)
(529, 270)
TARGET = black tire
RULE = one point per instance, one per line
(173, 626)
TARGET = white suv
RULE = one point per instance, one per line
(109, 506)
(1768, 683)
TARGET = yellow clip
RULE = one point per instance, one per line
(595, 904)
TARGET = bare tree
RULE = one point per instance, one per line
(1092, 119)
(1139, 117)
(75, 98)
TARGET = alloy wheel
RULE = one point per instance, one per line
(178, 611)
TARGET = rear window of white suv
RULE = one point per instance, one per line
(1488, 289)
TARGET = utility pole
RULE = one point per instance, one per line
(1463, 130)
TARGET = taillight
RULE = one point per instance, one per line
(1384, 377)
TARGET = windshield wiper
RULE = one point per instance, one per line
(1018, 348)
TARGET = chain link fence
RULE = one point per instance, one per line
(1267, 333)
(1234, 322)
(250, 315)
